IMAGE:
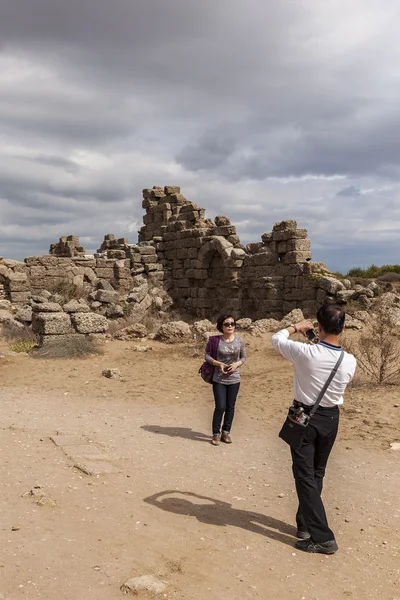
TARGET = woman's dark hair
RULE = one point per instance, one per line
(221, 319)
(331, 318)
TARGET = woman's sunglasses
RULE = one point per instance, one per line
(228, 324)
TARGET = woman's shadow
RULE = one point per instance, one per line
(182, 432)
(217, 512)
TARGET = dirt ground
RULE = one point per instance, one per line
(208, 521)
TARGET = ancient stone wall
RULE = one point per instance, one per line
(182, 258)
(207, 269)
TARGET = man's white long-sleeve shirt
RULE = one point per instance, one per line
(313, 364)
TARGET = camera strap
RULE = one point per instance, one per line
(322, 392)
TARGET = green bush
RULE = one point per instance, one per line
(373, 272)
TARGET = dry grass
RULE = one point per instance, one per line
(74, 347)
(69, 291)
(377, 349)
(19, 339)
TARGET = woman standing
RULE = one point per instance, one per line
(231, 354)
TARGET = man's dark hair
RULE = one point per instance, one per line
(221, 319)
(331, 318)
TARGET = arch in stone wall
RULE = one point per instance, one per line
(216, 244)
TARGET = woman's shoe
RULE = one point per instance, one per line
(225, 437)
(216, 439)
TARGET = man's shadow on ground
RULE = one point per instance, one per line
(182, 432)
(217, 512)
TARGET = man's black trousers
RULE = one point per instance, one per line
(309, 465)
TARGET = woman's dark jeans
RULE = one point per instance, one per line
(225, 398)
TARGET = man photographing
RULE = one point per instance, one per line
(313, 365)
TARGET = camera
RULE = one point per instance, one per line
(311, 335)
(227, 369)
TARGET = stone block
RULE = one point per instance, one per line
(24, 314)
(17, 297)
(254, 247)
(106, 297)
(89, 323)
(149, 259)
(116, 254)
(282, 247)
(18, 286)
(225, 231)
(296, 257)
(266, 237)
(17, 276)
(264, 258)
(47, 307)
(75, 306)
(289, 234)
(282, 225)
(177, 199)
(200, 274)
(172, 189)
(298, 245)
(192, 252)
(138, 293)
(104, 273)
(153, 267)
(51, 323)
(145, 250)
(182, 253)
(330, 284)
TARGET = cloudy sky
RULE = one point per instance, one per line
(259, 109)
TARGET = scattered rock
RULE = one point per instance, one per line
(176, 331)
(147, 583)
(141, 348)
(395, 446)
(263, 326)
(203, 326)
(112, 373)
(243, 324)
(294, 316)
(134, 331)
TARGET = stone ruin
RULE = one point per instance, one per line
(181, 260)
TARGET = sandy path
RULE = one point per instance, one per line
(207, 521)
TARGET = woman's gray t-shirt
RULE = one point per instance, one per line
(228, 353)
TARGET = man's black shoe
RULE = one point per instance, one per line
(317, 547)
(303, 535)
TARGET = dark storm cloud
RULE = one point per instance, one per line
(234, 100)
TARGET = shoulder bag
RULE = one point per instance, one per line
(206, 370)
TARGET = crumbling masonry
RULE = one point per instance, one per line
(184, 259)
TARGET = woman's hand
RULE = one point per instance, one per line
(223, 368)
(232, 368)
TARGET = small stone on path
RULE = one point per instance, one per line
(112, 373)
(143, 583)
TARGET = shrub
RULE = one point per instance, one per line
(70, 291)
(22, 346)
(373, 272)
(390, 276)
(20, 338)
(377, 349)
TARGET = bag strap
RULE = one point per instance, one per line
(331, 376)
(215, 343)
